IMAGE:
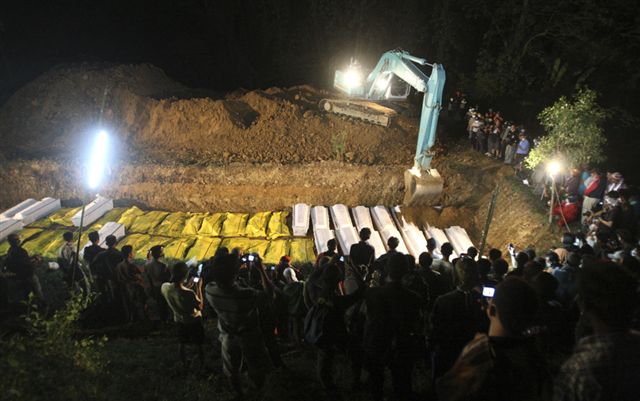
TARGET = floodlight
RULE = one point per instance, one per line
(97, 161)
(553, 168)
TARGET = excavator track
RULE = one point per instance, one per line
(361, 109)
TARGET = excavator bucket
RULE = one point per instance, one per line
(423, 189)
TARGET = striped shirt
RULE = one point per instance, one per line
(237, 307)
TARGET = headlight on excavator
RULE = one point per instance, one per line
(353, 78)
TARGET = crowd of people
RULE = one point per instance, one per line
(507, 326)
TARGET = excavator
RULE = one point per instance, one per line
(391, 80)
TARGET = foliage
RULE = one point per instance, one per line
(574, 131)
(339, 144)
(47, 361)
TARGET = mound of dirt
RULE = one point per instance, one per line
(156, 119)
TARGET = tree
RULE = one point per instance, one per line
(574, 131)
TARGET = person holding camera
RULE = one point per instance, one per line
(186, 305)
(239, 321)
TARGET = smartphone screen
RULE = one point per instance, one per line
(488, 292)
(342, 258)
(196, 279)
(250, 258)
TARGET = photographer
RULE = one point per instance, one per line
(238, 310)
(186, 306)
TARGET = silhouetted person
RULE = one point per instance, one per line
(104, 265)
(499, 269)
(392, 326)
(381, 262)
(21, 267)
(91, 251)
(332, 245)
(361, 253)
(502, 365)
(457, 317)
(444, 266)
(155, 274)
(186, 306)
(605, 365)
(238, 310)
(130, 286)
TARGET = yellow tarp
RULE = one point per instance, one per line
(246, 245)
(129, 216)
(278, 225)
(25, 235)
(193, 224)
(177, 248)
(61, 217)
(257, 225)
(46, 244)
(277, 249)
(172, 225)
(141, 243)
(147, 222)
(212, 224)
(234, 225)
(302, 250)
(112, 215)
(203, 248)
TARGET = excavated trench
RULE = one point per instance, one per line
(182, 149)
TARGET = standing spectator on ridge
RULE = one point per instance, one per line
(186, 306)
(238, 310)
(567, 277)
(510, 142)
(593, 193)
(605, 365)
(91, 251)
(361, 253)
(522, 150)
(155, 275)
(502, 365)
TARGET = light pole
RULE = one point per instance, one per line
(94, 173)
(553, 168)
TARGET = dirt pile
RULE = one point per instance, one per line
(156, 119)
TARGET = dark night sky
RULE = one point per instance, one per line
(518, 55)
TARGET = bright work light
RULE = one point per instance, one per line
(97, 162)
(553, 168)
(353, 78)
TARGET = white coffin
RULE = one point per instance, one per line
(320, 217)
(340, 216)
(10, 213)
(321, 237)
(9, 226)
(110, 228)
(413, 238)
(301, 214)
(393, 232)
(459, 239)
(93, 211)
(376, 242)
(38, 210)
(440, 237)
(362, 217)
(381, 218)
(346, 237)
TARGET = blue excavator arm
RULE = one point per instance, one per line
(401, 64)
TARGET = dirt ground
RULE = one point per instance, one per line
(190, 150)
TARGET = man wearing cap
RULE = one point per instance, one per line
(155, 274)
